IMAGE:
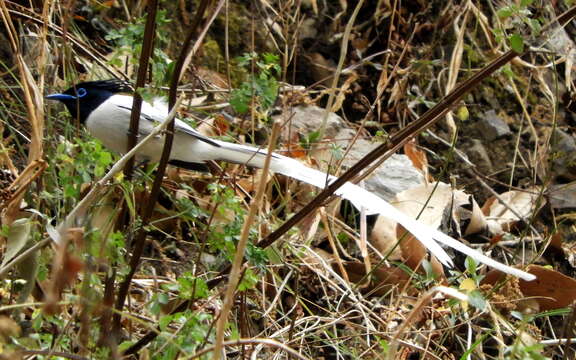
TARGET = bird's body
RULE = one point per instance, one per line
(105, 111)
(108, 123)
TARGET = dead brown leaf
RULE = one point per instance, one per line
(418, 158)
(551, 289)
(381, 279)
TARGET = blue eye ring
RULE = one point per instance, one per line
(81, 92)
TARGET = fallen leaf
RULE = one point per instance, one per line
(501, 218)
(551, 289)
(382, 279)
(417, 156)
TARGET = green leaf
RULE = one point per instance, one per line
(16, 238)
(516, 43)
(470, 265)
(165, 321)
(240, 99)
(191, 287)
(505, 12)
(477, 300)
(249, 280)
(535, 26)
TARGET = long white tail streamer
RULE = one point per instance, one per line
(362, 198)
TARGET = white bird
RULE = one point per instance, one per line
(105, 112)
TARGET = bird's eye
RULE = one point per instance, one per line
(81, 93)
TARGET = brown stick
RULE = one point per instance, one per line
(138, 248)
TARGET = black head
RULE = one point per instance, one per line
(82, 98)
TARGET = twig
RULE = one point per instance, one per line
(269, 342)
(145, 54)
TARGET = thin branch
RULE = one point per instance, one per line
(146, 53)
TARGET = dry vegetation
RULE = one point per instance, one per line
(100, 264)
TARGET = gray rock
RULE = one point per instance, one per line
(479, 156)
(306, 119)
(308, 29)
(395, 175)
(564, 147)
(563, 196)
(492, 127)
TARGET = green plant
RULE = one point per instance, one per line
(78, 163)
(129, 39)
(261, 89)
(517, 16)
(194, 332)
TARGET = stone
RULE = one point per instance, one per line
(562, 196)
(396, 174)
(564, 148)
(492, 126)
(479, 156)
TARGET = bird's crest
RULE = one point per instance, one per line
(112, 85)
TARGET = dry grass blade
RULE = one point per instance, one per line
(336, 78)
(34, 105)
(85, 49)
(418, 308)
(455, 62)
(20, 185)
(252, 341)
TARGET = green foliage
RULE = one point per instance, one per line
(261, 89)
(516, 17)
(256, 255)
(248, 281)
(195, 331)
(472, 270)
(113, 249)
(189, 287)
(476, 299)
(310, 139)
(79, 163)
(224, 237)
(516, 43)
(129, 39)
(521, 352)
(187, 209)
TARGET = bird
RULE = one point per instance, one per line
(104, 107)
